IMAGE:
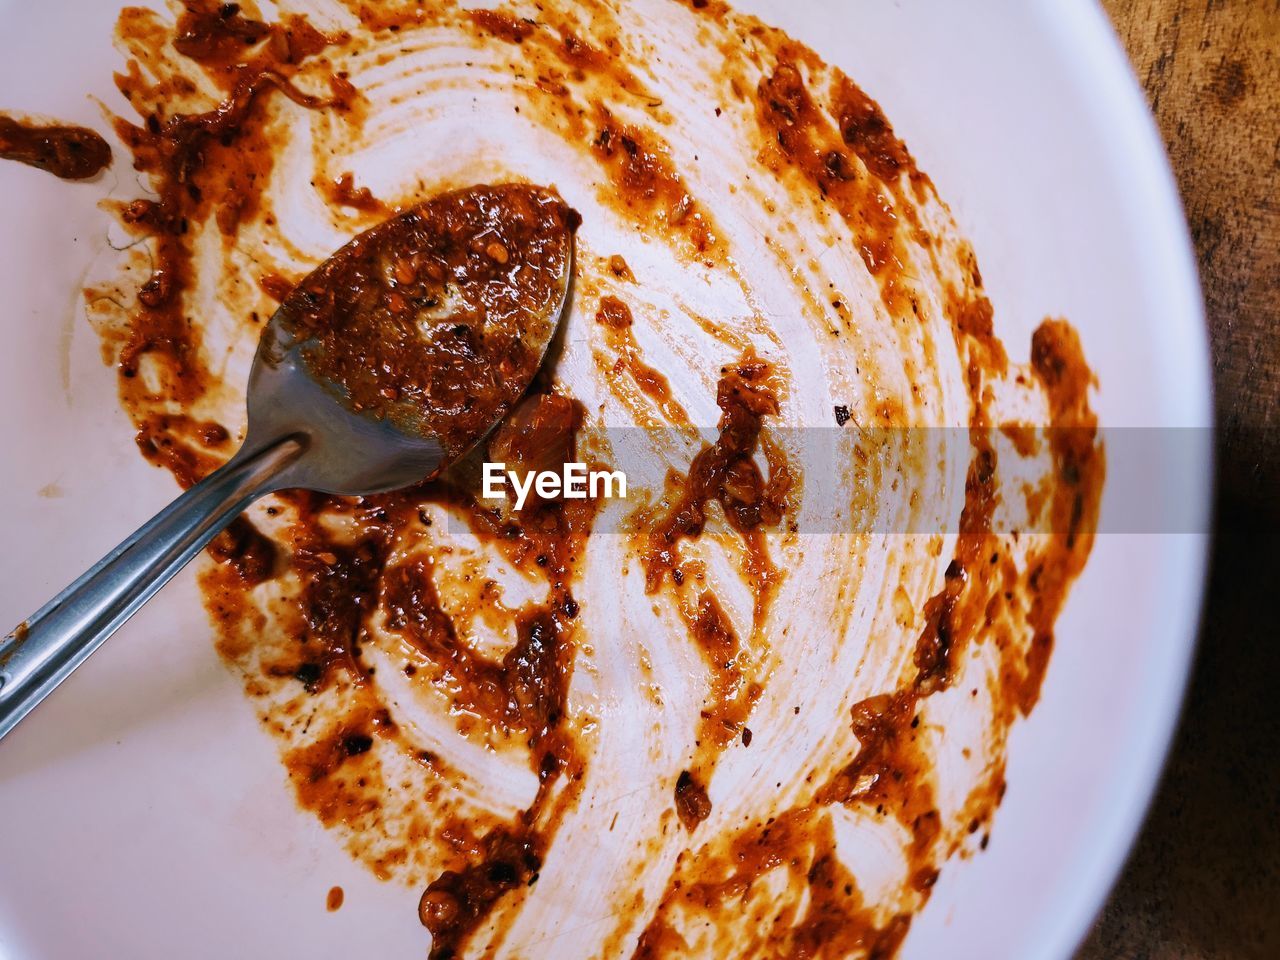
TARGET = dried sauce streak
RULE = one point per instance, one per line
(730, 696)
(70, 153)
(525, 691)
(436, 319)
(312, 599)
(497, 234)
(615, 317)
(728, 893)
(725, 472)
(342, 586)
(213, 163)
(891, 772)
(216, 33)
(804, 137)
(220, 36)
(348, 584)
(458, 901)
(158, 441)
(647, 182)
(245, 550)
(503, 25)
(692, 803)
(1080, 469)
(344, 193)
(528, 691)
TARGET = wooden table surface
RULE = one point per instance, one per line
(1204, 878)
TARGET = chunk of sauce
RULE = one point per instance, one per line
(692, 803)
(437, 319)
(725, 471)
(70, 153)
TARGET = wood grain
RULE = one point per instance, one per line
(1204, 879)
(1211, 69)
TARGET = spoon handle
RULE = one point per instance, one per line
(43, 651)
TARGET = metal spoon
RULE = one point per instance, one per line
(303, 432)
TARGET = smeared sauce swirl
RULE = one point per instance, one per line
(668, 728)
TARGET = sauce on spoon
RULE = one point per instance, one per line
(438, 319)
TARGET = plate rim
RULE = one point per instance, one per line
(1110, 89)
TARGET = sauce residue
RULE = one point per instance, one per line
(437, 319)
(70, 153)
(529, 725)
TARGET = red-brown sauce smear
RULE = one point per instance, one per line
(70, 153)
(342, 568)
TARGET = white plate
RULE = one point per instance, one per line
(143, 813)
